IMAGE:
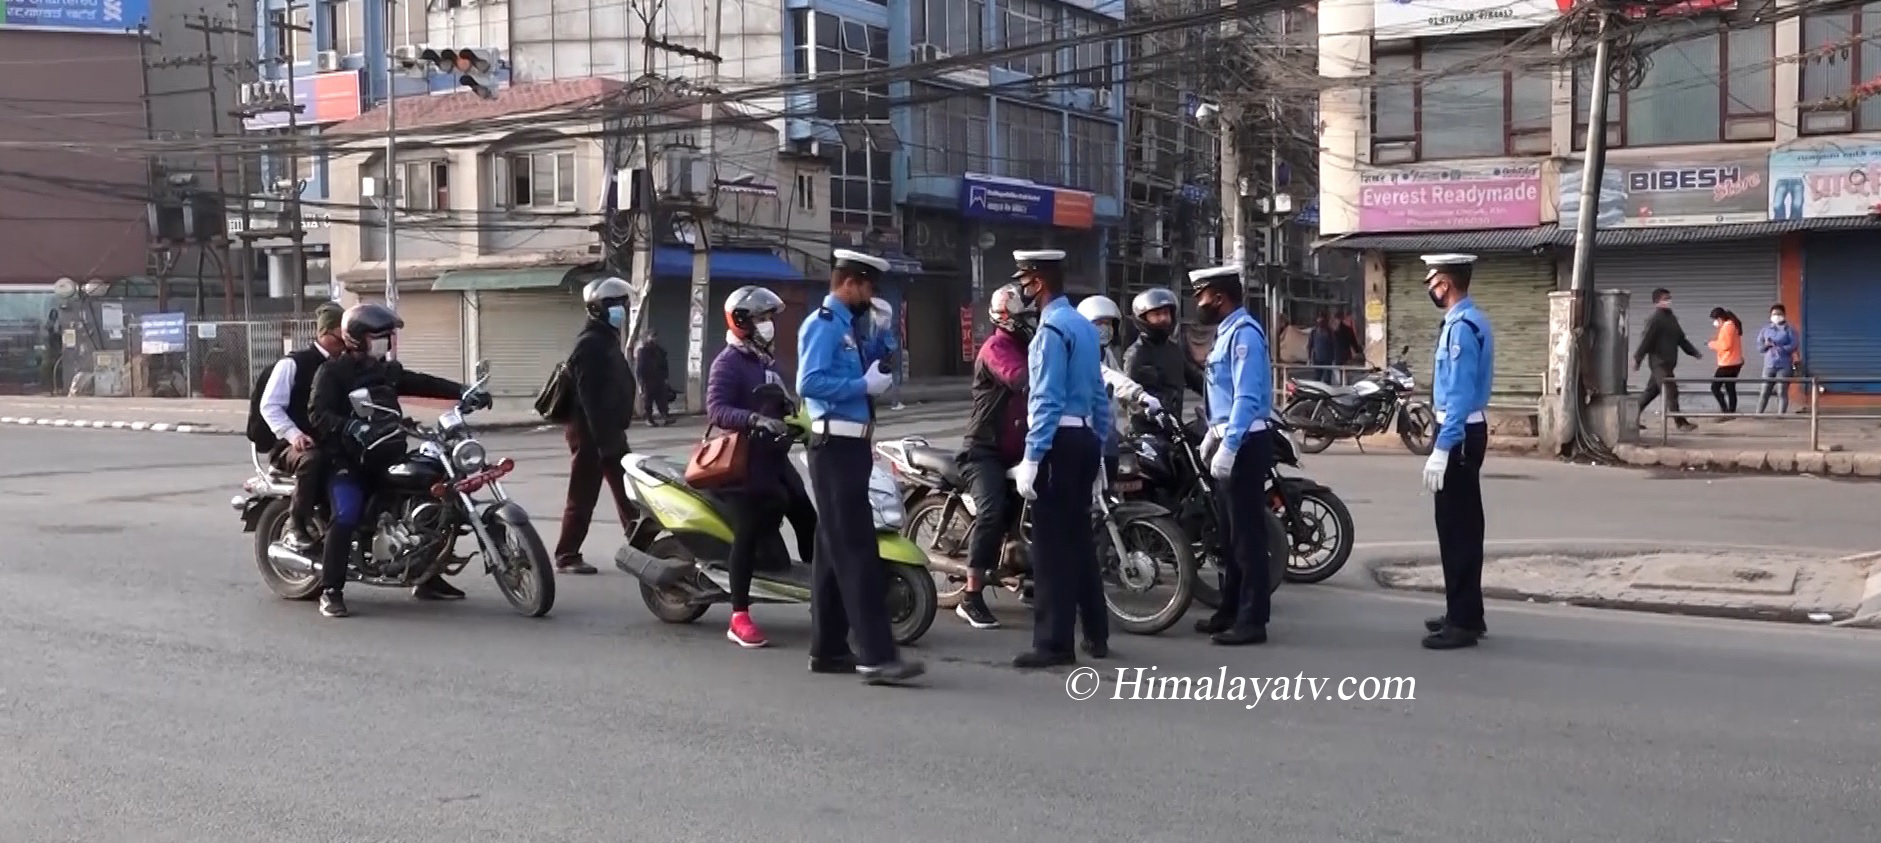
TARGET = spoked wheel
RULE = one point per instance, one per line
(287, 583)
(1208, 570)
(936, 540)
(672, 605)
(1320, 538)
(1151, 587)
(523, 570)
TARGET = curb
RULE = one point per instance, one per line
(1862, 464)
(1868, 613)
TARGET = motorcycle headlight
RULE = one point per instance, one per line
(469, 456)
(885, 501)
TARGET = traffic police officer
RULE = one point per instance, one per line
(1240, 397)
(1465, 369)
(839, 371)
(1068, 420)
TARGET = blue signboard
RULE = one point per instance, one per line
(101, 16)
(988, 198)
(163, 333)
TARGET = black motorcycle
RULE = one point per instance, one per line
(1381, 401)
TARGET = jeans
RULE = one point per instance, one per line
(347, 496)
(1780, 387)
(1726, 390)
(756, 518)
(993, 511)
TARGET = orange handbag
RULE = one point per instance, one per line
(717, 461)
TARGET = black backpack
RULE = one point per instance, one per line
(258, 430)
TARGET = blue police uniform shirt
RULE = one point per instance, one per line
(1465, 370)
(1240, 382)
(831, 357)
(1066, 368)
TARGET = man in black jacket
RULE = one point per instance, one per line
(1659, 345)
(279, 426)
(362, 449)
(656, 391)
(596, 428)
(1156, 361)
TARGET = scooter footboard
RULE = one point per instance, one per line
(895, 548)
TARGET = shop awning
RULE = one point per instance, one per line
(467, 280)
(758, 266)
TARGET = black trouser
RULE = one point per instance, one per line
(1063, 549)
(757, 514)
(1726, 390)
(1460, 530)
(1661, 380)
(993, 510)
(654, 397)
(309, 467)
(587, 467)
(1241, 503)
(848, 588)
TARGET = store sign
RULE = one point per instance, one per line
(1017, 200)
(1450, 198)
(1644, 195)
(1427, 18)
(323, 98)
(100, 16)
(968, 348)
(1839, 179)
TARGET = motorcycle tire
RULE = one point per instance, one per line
(1300, 413)
(269, 527)
(1172, 536)
(671, 606)
(1207, 588)
(533, 592)
(912, 602)
(1314, 444)
(1418, 429)
(948, 588)
(1336, 510)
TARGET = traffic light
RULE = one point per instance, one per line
(470, 67)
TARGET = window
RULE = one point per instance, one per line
(425, 185)
(1094, 156)
(346, 26)
(844, 46)
(957, 27)
(303, 41)
(952, 126)
(1831, 77)
(1703, 83)
(806, 192)
(538, 180)
(1091, 62)
(861, 191)
(1031, 143)
(1437, 99)
(1024, 23)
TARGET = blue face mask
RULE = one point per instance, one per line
(616, 315)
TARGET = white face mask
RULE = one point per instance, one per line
(766, 331)
(1776, 318)
(1717, 323)
(379, 347)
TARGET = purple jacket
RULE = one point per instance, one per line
(730, 401)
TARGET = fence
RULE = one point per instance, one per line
(1812, 389)
(210, 359)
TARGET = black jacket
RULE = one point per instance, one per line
(1662, 340)
(650, 364)
(604, 388)
(1164, 369)
(330, 409)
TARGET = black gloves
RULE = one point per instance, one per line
(774, 427)
(478, 399)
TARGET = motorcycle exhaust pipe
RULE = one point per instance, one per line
(650, 569)
(291, 561)
(946, 565)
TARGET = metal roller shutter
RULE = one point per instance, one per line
(433, 339)
(1512, 289)
(1840, 300)
(524, 335)
(1738, 276)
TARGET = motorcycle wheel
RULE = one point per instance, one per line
(912, 602)
(1302, 413)
(1162, 540)
(924, 526)
(1420, 435)
(1327, 514)
(1207, 588)
(526, 572)
(671, 606)
(270, 528)
(1314, 444)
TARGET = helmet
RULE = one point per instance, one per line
(366, 322)
(1154, 298)
(1095, 308)
(1011, 312)
(748, 307)
(604, 292)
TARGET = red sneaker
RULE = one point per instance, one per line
(745, 632)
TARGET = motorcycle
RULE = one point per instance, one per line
(1140, 546)
(678, 547)
(1381, 401)
(418, 510)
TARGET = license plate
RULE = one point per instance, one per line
(1129, 485)
(451, 418)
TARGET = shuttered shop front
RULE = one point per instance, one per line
(1511, 289)
(1841, 296)
(1738, 276)
(524, 334)
(433, 339)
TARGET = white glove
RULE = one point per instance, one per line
(1150, 403)
(1434, 469)
(1024, 475)
(1223, 463)
(880, 315)
(1209, 441)
(877, 380)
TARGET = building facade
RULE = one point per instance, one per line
(1737, 175)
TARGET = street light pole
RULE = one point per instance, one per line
(392, 187)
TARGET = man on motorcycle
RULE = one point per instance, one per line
(995, 442)
(362, 449)
(279, 427)
(1156, 360)
(1240, 397)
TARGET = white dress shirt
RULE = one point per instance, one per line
(275, 395)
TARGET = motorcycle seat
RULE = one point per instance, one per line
(1319, 387)
(937, 461)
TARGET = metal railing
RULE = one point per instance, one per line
(213, 359)
(1812, 389)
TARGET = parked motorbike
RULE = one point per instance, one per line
(1141, 547)
(1381, 401)
(446, 488)
(679, 545)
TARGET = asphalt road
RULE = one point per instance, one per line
(152, 690)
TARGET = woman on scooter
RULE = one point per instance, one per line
(772, 489)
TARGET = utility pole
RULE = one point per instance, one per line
(1233, 226)
(393, 190)
(211, 27)
(1567, 411)
(703, 211)
(284, 24)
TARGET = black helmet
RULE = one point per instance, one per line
(605, 292)
(365, 322)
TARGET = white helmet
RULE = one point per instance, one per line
(1095, 308)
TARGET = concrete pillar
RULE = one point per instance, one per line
(1345, 52)
(281, 275)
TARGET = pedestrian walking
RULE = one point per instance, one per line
(1464, 373)
(656, 391)
(1068, 421)
(1728, 345)
(1240, 398)
(1778, 343)
(839, 373)
(596, 430)
(1659, 346)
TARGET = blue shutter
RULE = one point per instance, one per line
(1841, 299)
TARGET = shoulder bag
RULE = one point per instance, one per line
(718, 461)
(556, 399)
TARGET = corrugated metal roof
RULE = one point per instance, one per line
(1529, 239)
(1662, 235)
(1492, 240)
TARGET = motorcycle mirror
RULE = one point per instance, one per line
(482, 372)
(362, 402)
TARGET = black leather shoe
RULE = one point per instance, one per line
(833, 664)
(1039, 660)
(1450, 638)
(1437, 624)
(1214, 623)
(436, 589)
(1240, 636)
(1097, 649)
(897, 672)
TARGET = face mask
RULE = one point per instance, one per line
(1776, 318)
(1435, 298)
(1717, 323)
(379, 347)
(1105, 333)
(1028, 293)
(766, 332)
(616, 315)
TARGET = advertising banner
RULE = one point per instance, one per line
(1840, 179)
(1450, 198)
(101, 16)
(1017, 200)
(1642, 195)
(163, 333)
(1435, 18)
(323, 98)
